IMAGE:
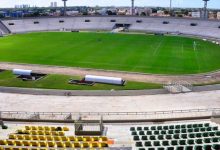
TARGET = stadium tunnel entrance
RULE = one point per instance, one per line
(122, 25)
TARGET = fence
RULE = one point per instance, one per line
(152, 116)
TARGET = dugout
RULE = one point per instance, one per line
(28, 75)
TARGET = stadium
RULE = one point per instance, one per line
(109, 83)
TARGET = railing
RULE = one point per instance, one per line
(173, 115)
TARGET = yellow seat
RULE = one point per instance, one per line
(3, 142)
(103, 144)
(47, 132)
(103, 139)
(40, 132)
(54, 133)
(25, 149)
(60, 144)
(84, 144)
(40, 128)
(46, 128)
(8, 148)
(94, 145)
(11, 143)
(43, 144)
(95, 138)
(18, 143)
(33, 132)
(27, 128)
(64, 138)
(61, 133)
(26, 143)
(49, 138)
(72, 138)
(57, 138)
(52, 128)
(26, 132)
(42, 138)
(12, 136)
(87, 138)
(51, 144)
(1, 148)
(27, 137)
(15, 148)
(19, 131)
(20, 137)
(69, 144)
(35, 137)
(35, 144)
(79, 138)
(34, 127)
(77, 145)
(66, 129)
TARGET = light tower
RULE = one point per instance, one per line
(132, 7)
(205, 9)
(170, 5)
(64, 8)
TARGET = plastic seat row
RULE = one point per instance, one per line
(60, 144)
(178, 142)
(189, 147)
(57, 138)
(175, 137)
(46, 128)
(40, 132)
(179, 136)
(16, 148)
(170, 127)
(182, 131)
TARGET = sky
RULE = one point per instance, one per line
(162, 3)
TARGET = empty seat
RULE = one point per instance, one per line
(103, 144)
(190, 142)
(60, 144)
(35, 144)
(138, 144)
(72, 138)
(156, 143)
(165, 143)
(148, 144)
(66, 129)
(51, 144)
(174, 142)
(12, 136)
(76, 145)
(43, 144)
(69, 144)
(182, 142)
(144, 138)
(86, 145)
(136, 138)
(94, 145)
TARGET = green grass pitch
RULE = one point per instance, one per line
(124, 52)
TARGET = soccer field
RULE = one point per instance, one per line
(124, 52)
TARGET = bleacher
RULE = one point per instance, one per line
(46, 137)
(194, 136)
(207, 28)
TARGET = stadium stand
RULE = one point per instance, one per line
(47, 137)
(208, 28)
(187, 136)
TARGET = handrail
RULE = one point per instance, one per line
(111, 113)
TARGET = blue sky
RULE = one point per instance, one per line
(163, 3)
